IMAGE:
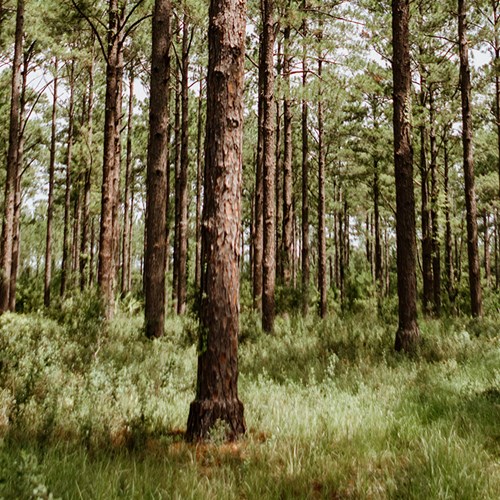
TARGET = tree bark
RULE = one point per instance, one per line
(258, 236)
(84, 246)
(322, 273)
(305, 179)
(199, 180)
(110, 190)
(217, 387)
(183, 173)
(448, 240)
(468, 157)
(6, 248)
(269, 169)
(287, 240)
(436, 251)
(127, 212)
(157, 169)
(50, 200)
(407, 335)
(66, 262)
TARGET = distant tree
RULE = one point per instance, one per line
(217, 381)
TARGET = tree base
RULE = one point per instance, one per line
(205, 414)
(407, 339)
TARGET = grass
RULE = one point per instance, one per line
(88, 411)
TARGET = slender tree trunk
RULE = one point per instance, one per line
(127, 213)
(487, 261)
(177, 170)
(65, 266)
(199, 180)
(436, 250)
(427, 297)
(407, 335)
(16, 245)
(258, 237)
(470, 195)
(84, 246)
(6, 248)
(157, 169)
(183, 174)
(111, 165)
(376, 217)
(217, 386)
(305, 180)
(322, 272)
(448, 243)
(50, 201)
(269, 169)
(287, 241)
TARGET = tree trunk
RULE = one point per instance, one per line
(65, 266)
(199, 180)
(258, 236)
(183, 174)
(305, 180)
(16, 245)
(407, 335)
(269, 169)
(6, 248)
(436, 251)
(287, 239)
(487, 261)
(84, 246)
(470, 195)
(376, 217)
(111, 165)
(127, 213)
(157, 169)
(177, 170)
(448, 243)
(322, 273)
(50, 200)
(427, 297)
(217, 386)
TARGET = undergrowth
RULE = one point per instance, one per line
(89, 410)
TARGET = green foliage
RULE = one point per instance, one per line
(331, 410)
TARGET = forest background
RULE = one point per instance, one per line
(331, 410)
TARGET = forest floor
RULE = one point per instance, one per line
(88, 411)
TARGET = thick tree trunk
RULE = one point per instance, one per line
(157, 169)
(407, 335)
(217, 386)
(183, 173)
(287, 240)
(6, 248)
(66, 262)
(470, 194)
(269, 168)
(127, 212)
(50, 200)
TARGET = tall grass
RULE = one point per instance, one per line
(95, 411)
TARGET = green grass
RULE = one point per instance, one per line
(88, 411)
